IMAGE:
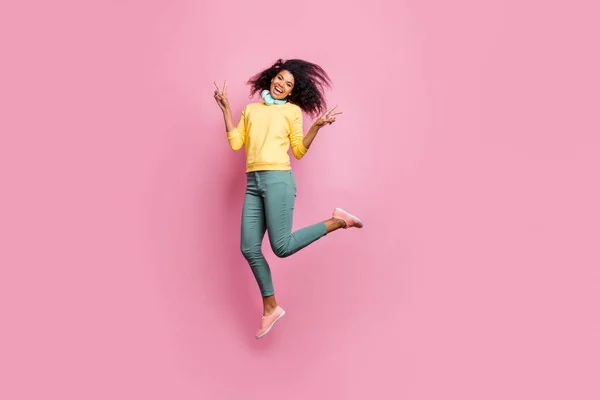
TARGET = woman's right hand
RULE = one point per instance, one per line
(221, 97)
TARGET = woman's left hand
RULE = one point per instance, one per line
(327, 118)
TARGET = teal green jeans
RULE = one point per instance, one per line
(269, 207)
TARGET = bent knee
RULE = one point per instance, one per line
(250, 252)
(282, 252)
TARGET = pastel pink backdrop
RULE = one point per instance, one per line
(468, 144)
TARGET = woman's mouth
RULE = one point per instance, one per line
(277, 90)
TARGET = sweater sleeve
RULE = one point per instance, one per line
(237, 136)
(296, 136)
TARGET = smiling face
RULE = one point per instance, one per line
(282, 85)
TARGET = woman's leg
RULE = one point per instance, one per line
(279, 190)
(253, 232)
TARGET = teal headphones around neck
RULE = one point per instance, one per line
(266, 95)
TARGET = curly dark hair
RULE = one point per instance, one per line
(310, 81)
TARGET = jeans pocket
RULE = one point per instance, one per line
(293, 182)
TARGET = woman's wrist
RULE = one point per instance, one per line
(228, 120)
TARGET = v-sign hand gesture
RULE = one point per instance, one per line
(327, 118)
(221, 97)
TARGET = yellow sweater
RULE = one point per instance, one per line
(266, 132)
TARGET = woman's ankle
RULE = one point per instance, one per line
(333, 224)
(268, 310)
(269, 305)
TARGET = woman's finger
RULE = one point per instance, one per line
(225, 87)
(331, 109)
(325, 114)
(218, 90)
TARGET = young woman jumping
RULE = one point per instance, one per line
(267, 129)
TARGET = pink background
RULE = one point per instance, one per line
(468, 144)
